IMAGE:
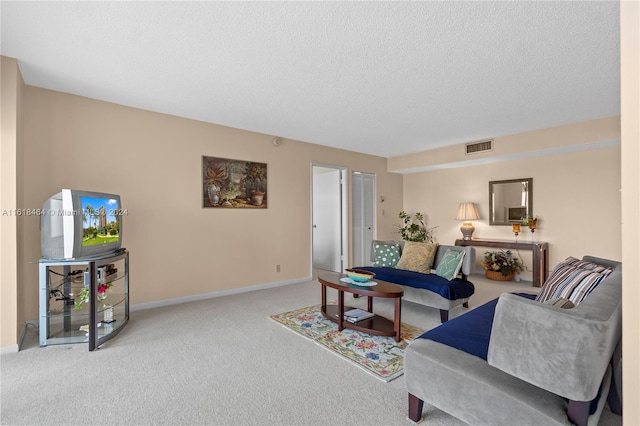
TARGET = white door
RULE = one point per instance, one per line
(363, 219)
(327, 223)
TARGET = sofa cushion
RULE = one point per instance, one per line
(386, 253)
(470, 332)
(417, 257)
(451, 290)
(572, 279)
(450, 264)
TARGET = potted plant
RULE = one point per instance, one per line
(414, 228)
(501, 265)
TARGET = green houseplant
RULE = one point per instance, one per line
(531, 222)
(415, 229)
(501, 265)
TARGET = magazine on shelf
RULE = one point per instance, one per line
(355, 315)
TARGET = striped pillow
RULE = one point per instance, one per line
(560, 303)
(572, 279)
(583, 264)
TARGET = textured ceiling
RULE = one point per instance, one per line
(385, 78)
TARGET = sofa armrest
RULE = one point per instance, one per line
(565, 351)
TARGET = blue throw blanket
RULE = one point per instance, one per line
(453, 290)
(469, 332)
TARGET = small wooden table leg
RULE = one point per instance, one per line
(369, 303)
(396, 320)
(340, 309)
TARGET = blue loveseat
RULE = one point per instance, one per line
(430, 289)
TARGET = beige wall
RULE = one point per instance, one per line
(10, 197)
(153, 161)
(576, 136)
(576, 195)
(630, 109)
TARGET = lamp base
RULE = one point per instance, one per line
(467, 229)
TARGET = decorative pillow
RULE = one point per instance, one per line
(560, 302)
(572, 282)
(417, 257)
(583, 264)
(450, 264)
(386, 254)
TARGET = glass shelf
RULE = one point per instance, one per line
(78, 331)
(97, 320)
(59, 307)
(76, 282)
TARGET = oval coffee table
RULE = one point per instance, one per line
(376, 325)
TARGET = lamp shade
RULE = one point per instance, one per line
(467, 211)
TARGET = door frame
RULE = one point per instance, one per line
(344, 203)
(367, 249)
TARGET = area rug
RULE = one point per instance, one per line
(382, 357)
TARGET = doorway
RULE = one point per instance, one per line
(363, 220)
(329, 213)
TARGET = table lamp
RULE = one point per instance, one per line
(467, 212)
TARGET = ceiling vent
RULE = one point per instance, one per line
(476, 147)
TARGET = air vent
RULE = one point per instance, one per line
(476, 147)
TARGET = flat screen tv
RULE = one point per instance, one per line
(80, 224)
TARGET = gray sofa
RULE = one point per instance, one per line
(430, 289)
(544, 365)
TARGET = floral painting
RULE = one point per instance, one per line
(230, 183)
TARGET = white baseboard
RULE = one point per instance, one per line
(8, 349)
(178, 300)
(204, 296)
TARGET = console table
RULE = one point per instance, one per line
(539, 249)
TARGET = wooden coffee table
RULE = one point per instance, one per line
(376, 325)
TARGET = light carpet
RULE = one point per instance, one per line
(380, 356)
(220, 361)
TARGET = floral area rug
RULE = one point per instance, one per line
(383, 357)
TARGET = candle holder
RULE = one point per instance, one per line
(516, 230)
(533, 224)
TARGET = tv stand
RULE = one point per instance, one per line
(66, 317)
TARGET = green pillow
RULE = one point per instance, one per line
(386, 254)
(450, 264)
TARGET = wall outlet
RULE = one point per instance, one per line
(277, 268)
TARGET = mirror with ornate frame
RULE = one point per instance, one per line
(510, 200)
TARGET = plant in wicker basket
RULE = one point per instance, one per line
(502, 262)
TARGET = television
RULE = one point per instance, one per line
(80, 224)
(516, 214)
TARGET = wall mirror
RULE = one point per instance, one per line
(510, 200)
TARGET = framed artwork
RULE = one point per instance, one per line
(228, 183)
